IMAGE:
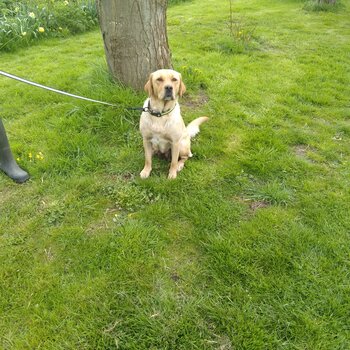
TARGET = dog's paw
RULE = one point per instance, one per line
(180, 166)
(172, 174)
(144, 174)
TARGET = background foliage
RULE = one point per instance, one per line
(23, 22)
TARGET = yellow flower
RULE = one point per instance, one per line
(66, 3)
(16, 9)
(30, 155)
(41, 30)
(18, 159)
(24, 33)
(31, 14)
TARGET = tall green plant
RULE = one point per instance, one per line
(24, 22)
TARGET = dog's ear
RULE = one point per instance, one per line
(182, 88)
(149, 86)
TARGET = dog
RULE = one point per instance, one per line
(161, 125)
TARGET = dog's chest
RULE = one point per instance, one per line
(158, 132)
(160, 143)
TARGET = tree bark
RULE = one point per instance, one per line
(135, 38)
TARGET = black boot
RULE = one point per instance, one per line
(7, 163)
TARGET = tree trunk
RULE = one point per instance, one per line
(135, 38)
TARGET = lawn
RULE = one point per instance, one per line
(247, 249)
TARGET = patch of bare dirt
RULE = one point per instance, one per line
(193, 101)
(300, 150)
(255, 205)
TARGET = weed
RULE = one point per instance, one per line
(238, 37)
(194, 77)
(55, 213)
(128, 196)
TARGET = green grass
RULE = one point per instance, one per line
(246, 249)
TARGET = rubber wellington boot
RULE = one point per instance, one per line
(7, 163)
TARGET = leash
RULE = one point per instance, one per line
(143, 109)
(11, 76)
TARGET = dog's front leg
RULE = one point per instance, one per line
(148, 159)
(175, 151)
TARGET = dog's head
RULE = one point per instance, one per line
(165, 84)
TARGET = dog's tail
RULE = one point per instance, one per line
(193, 127)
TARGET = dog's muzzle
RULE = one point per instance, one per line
(168, 93)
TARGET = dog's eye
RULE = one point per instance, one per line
(160, 80)
(174, 80)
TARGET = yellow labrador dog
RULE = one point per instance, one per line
(161, 125)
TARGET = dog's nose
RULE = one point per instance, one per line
(168, 88)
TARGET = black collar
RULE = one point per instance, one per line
(157, 114)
